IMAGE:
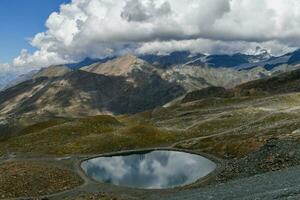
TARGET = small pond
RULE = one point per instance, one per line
(150, 170)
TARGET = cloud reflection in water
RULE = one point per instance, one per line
(156, 170)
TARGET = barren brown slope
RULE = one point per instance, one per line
(82, 93)
(122, 66)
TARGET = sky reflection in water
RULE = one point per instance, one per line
(156, 170)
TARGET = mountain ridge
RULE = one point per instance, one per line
(121, 85)
(237, 61)
(80, 93)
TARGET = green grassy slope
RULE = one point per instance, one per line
(96, 134)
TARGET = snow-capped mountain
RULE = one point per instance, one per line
(259, 54)
(260, 57)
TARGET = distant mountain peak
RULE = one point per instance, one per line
(260, 51)
(121, 66)
(128, 58)
(88, 61)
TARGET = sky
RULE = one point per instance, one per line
(39, 33)
(20, 21)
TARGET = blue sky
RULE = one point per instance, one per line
(21, 20)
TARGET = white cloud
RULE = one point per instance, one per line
(4, 67)
(37, 59)
(8, 73)
(136, 11)
(97, 28)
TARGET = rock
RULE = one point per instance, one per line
(291, 154)
(296, 131)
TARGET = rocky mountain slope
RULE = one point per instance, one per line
(193, 77)
(124, 66)
(288, 82)
(125, 84)
(239, 61)
(56, 91)
(283, 83)
(190, 74)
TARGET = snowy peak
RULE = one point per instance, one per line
(259, 54)
(261, 51)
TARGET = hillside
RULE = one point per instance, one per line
(81, 93)
(194, 77)
(283, 83)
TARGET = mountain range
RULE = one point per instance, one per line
(131, 84)
(239, 61)
(260, 58)
(93, 90)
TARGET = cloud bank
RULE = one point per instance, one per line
(97, 28)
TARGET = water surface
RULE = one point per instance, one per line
(152, 170)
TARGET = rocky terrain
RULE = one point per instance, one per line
(126, 66)
(20, 175)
